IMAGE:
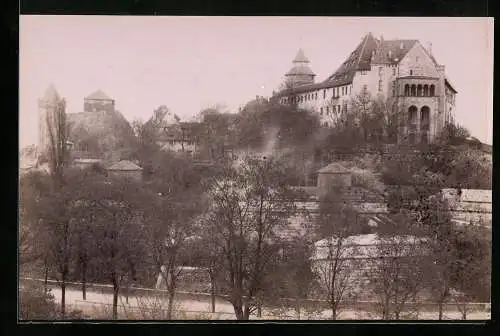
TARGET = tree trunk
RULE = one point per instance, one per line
(238, 311)
(84, 280)
(170, 308)
(46, 271)
(116, 290)
(440, 309)
(212, 292)
(63, 298)
(334, 312)
(126, 292)
(246, 313)
(385, 310)
(259, 309)
(297, 308)
(464, 312)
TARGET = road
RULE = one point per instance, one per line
(98, 304)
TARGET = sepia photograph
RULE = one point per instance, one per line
(178, 168)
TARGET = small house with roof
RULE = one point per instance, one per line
(333, 175)
(125, 169)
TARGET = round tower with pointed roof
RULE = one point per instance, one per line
(47, 107)
(300, 73)
(98, 101)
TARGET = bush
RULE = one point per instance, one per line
(34, 304)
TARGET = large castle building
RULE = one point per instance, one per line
(403, 73)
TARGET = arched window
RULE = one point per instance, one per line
(413, 90)
(425, 118)
(426, 90)
(407, 89)
(431, 91)
(412, 115)
(419, 90)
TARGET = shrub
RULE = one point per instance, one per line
(34, 304)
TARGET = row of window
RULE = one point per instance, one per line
(336, 92)
(381, 71)
(334, 109)
(420, 90)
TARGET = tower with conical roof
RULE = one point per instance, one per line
(47, 109)
(300, 73)
(98, 101)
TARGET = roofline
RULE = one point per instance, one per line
(362, 49)
(447, 82)
(310, 87)
(87, 98)
(417, 77)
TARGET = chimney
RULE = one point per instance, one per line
(402, 45)
(429, 48)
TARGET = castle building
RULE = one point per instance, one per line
(402, 73)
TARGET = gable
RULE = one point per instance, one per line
(419, 61)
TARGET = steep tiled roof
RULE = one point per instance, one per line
(333, 168)
(392, 51)
(360, 59)
(51, 94)
(124, 165)
(300, 70)
(98, 95)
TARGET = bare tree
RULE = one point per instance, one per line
(337, 267)
(249, 205)
(59, 229)
(58, 135)
(174, 224)
(396, 273)
(119, 230)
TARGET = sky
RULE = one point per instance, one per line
(191, 63)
